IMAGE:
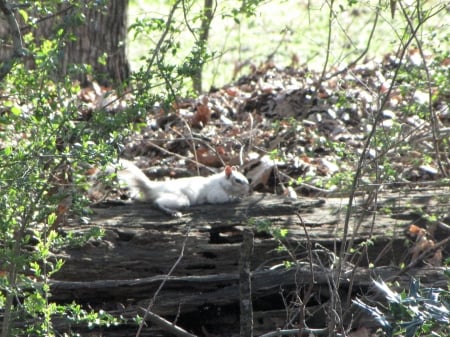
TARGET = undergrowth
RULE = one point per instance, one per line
(48, 140)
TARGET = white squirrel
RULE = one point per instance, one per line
(172, 195)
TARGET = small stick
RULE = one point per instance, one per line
(166, 325)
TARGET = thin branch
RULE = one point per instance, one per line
(308, 293)
(180, 156)
(165, 324)
(403, 49)
(167, 276)
(434, 122)
(163, 36)
(363, 53)
(186, 20)
(328, 48)
(289, 332)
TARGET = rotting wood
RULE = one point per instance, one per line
(222, 289)
(140, 246)
(166, 325)
(245, 285)
(140, 242)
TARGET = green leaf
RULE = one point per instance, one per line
(51, 219)
(15, 110)
(23, 14)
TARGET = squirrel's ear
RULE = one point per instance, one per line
(92, 171)
(228, 171)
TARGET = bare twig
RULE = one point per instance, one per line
(360, 56)
(405, 41)
(163, 36)
(178, 155)
(434, 120)
(163, 282)
(166, 325)
(289, 332)
(409, 36)
(303, 302)
(331, 16)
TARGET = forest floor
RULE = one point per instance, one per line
(315, 130)
(301, 133)
(297, 133)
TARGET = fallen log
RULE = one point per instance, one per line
(193, 292)
(141, 245)
(141, 242)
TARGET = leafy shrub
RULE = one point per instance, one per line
(46, 145)
(420, 312)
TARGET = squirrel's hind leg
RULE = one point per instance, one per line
(170, 203)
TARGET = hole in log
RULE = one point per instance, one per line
(225, 235)
(125, 236)
(201, 266)
(269, 313)
(209, 255)
(211, 319)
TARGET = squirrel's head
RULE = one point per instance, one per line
(238, 182)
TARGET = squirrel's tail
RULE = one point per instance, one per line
(130, 176)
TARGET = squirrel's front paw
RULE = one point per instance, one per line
(176, 214)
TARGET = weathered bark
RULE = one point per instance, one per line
(141, 242)
(102, 32)
(245, 285)
(194, 292)
(141, 245)
(7, 56)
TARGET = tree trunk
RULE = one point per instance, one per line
(89, 33)
(100, 42)
(202, 43)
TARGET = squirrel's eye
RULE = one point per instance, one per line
(239, 181)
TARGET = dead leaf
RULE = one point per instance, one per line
(423, 244)
(260, 173)
(202, 115)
